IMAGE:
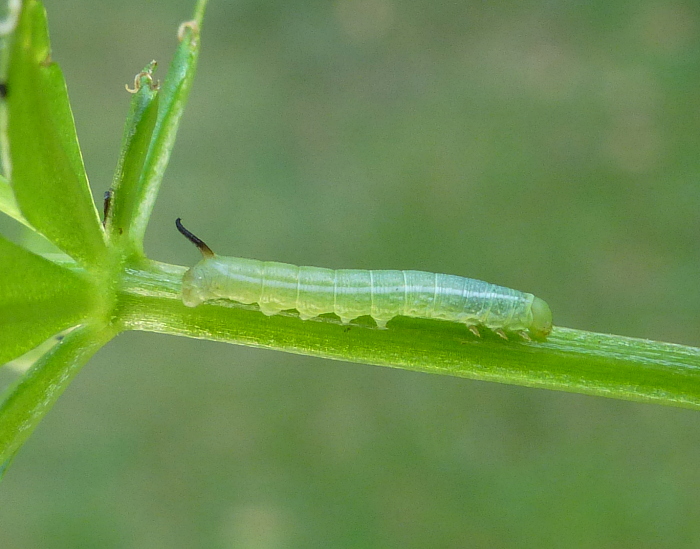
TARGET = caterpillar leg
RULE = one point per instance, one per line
(473, 329)
(501, 333)
(525, 336)
(269, 311)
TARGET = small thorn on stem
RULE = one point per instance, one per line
(107, 206)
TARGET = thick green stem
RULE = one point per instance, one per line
(570, 360)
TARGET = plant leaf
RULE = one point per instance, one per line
(7, 29)
(137, 138)
(172, 99)
(32, 240)
(8, 204)
(48, 176)
(28, 401)
(37, 300)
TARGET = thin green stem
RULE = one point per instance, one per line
(172, 97)
(199, 11)
(570, 360)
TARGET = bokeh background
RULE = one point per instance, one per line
(546, 146)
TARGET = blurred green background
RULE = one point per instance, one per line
(546, 146)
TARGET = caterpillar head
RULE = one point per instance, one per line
(192, 287)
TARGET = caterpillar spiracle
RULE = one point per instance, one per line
(351, 293)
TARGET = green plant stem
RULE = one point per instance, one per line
(172, 98)
(570, 360)
(199, 11)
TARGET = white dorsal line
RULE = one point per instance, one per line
(435, 294)
(296, 301)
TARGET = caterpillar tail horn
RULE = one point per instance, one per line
(201, 246)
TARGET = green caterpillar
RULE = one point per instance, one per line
(351, 293)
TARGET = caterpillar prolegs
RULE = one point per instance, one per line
(351, 293)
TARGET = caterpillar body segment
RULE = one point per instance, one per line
(351, 293)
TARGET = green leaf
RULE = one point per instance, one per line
(28, 401)
(37, 300)
(5, 163)
(137, 138)
(8, 204)
(570, 360)
(172, 99)
(31, 240)
(7, 27)
(48, 176)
